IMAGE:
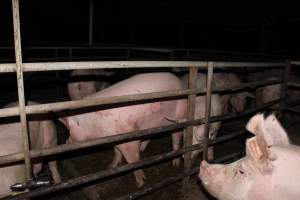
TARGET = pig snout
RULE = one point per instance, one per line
(204, 172)
(212, 177)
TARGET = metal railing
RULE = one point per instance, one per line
(24, 110)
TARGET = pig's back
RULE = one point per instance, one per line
(141, 83)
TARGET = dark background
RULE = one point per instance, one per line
(258, 26)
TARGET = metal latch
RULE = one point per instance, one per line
(29, 184)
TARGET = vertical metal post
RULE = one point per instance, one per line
(70, 54)
(284, 79)
(20, 82)
(210, 67)
(188, 133)
(57, 77)
(91, 23)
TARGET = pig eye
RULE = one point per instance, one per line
(241, 172)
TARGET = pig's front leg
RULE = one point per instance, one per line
(176, 143)
(131, 153)
(214, 129)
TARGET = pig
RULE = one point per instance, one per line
(216, 109)
(236, 101)
(42, 135)
(79, 90)
(128, 118)
(270, 170)
(270, 93)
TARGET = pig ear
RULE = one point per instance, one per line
(255, 123)
(257, 147)
(275, 132)
(268, 132)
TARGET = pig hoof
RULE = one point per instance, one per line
(176, 162)
(139, 184)
(141, 180)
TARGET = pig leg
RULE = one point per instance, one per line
(54, 172)
(180, 113)
(150, 121)
(212, 135)
(117, 158)
(37, 168)
(131, 153)
(144, 144)
(176, 143)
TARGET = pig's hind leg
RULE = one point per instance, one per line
(117, 160)
(131, 153)
(150, 121)
(54, 172)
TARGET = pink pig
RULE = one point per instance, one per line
(127, 118)
(42, 135)
(270, 170)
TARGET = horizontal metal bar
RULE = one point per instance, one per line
(295, 62)
(169, 181)
(45, 108)
(51, 107)
(50, 66)
(125, 137)
(125, 168)
(294, 84)
(243, 86)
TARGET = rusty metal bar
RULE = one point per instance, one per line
(171, 180)
(125, 168)
(283, 89)
(44, 108)
(126, 136)
(210, 72)
(91, 23)
(188, 133)
(20, 83)
(50, 66)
